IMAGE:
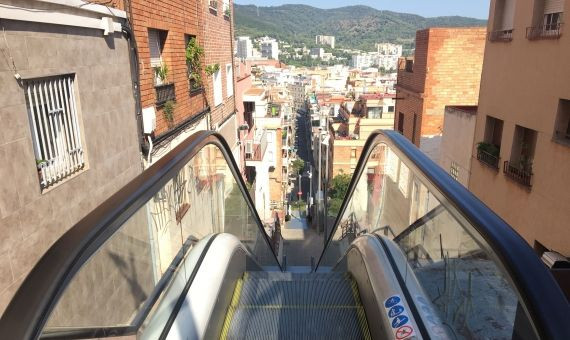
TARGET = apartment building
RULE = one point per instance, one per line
(244, 48)
(269, 48)
(69, 137)
(521, 149)
(445, 70)
(328, 40)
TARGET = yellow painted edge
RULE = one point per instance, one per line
(232, 308)
(360, 311)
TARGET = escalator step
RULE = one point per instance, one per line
(274, 305)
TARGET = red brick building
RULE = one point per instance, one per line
(445, 70)
(184, 103)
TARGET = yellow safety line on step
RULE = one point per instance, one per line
(360, 311)
(232, 307)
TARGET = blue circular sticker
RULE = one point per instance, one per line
(395, 311)
(399, 321)
(392, 301)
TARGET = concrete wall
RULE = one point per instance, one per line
(31, 220)
(522, 83)
(457, 139)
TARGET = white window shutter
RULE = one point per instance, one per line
(229, 80)
(507, 22)
(218, 97)
(553, 6)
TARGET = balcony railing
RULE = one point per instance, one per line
(562, 137)
(501, 36)
(488, 159)
(164, 93)
(551, 31)
(517, 174)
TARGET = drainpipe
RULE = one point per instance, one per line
(135, 77)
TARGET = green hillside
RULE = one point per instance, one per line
(354, 26)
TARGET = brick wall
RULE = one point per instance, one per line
(218, 44)
(179, 18)
(447, 71)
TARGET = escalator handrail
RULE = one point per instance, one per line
(547, 305)
(27, 313)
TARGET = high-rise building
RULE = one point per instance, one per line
(389, 49)
(325, 40)
(244, 48)
(269, 48)
(521, 151)
(454, 57)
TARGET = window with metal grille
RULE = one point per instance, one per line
(454, 170)
(55, 128)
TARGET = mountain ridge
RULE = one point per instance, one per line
(355, 26)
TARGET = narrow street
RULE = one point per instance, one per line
(301, 242)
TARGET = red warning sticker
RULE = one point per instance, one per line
(404, 332)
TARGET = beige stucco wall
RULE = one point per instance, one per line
(30, 221)
(521, 84)
(456, 142)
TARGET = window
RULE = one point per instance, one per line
(504, 15)
(213, 5)
(409, 65)
(375, 112)
(217, 79)
(229, 80)
(353, 153)
(401, 123)
(56, 132)
(551, 21)
(524, 143)
(562, 125)
(493, 131)
(489, 150)
(454, 170)
(156, 41)
(226, 7)
(391, 108)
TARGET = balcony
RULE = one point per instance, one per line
(165, 93)
(551, 31)
(562, 137)
(255, 150)
(519, 175)
(488, 159)
(501, 36)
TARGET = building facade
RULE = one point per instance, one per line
(69, 135)
(244, 48)
(269, 48)
(445, 70)
(521, 149)
(325, 40)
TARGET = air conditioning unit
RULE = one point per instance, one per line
(249, 147)
(149, 120)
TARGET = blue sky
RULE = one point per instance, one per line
(427, 8)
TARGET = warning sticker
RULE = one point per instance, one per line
(399, 318)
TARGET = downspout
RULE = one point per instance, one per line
(135, 78)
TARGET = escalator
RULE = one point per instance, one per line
(180, 253)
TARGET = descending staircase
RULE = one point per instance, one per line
(275, 305)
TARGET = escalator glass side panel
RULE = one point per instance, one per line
(120, 260)
(456, 280)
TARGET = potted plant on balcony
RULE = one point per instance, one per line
(489, 148)
(194, 55)
(228, 13)
(211, 69)
(161, 74)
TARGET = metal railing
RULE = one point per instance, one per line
(519, 175)
(502, 35)
(551, 31)
(488, 159)
(165, 93)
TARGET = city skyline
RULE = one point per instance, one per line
(476, 9)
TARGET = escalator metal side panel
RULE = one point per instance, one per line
(369, 265)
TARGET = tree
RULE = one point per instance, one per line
(298, 165)
(337, 191)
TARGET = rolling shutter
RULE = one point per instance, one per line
(507, 22)
(154, 47)
(553, 6)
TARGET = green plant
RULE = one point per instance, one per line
(211, 69)
(168, 111)
(161, 72)
(489, 148)
(228, 12)
(298, 165)
(194, 55)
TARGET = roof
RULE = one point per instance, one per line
(254, 91)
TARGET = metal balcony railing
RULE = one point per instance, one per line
(519, 175)
(164, 93)
(551, 31)
(501, 36)
(488, 159)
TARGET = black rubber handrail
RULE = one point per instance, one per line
(546, 304)
(30, 307)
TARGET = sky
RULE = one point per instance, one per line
(427, 8)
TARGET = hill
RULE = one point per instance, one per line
(353, 26)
